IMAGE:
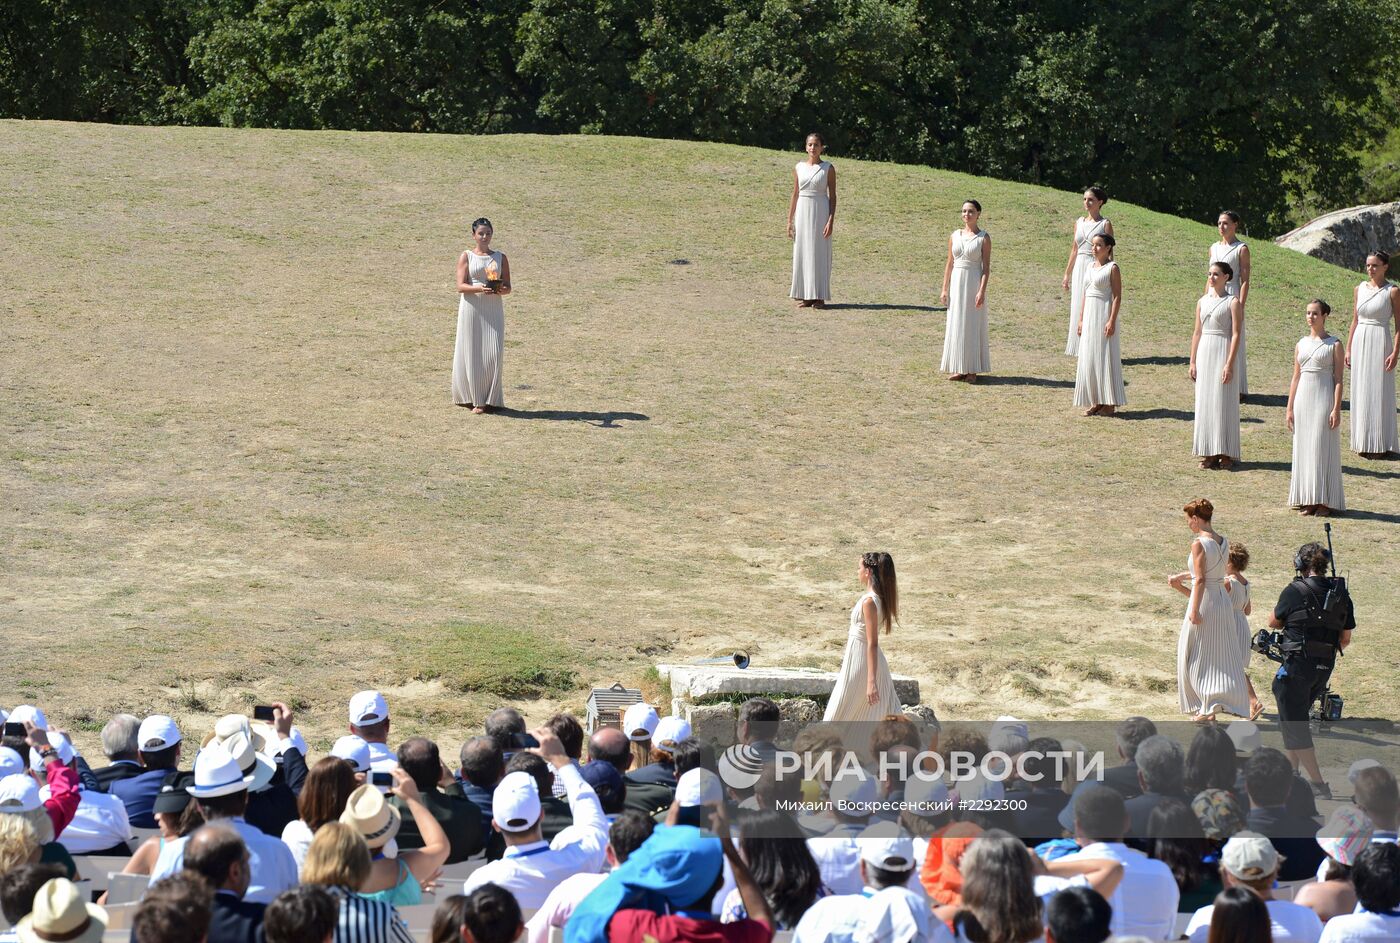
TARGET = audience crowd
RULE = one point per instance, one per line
(636, 834)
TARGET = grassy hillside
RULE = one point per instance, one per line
(232, 469)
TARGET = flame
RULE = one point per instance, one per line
(493, 272)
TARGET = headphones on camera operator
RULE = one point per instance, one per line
(1316, 630)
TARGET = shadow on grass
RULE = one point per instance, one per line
(1179, 414)
(993, 380)
(1278, 400)
(1346, 470)
(854, 307)
(603, 420)
(1156, 361)
(1381, 516)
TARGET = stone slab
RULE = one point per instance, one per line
(695, 684)
(1345, 237)
(714, 723)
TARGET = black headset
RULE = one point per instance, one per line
(1298, 557)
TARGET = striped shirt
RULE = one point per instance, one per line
(367, 921)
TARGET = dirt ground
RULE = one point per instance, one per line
(232, 471)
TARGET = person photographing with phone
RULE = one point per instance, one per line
(1316, 615)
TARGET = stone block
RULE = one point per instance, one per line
(695, 684)
(796, 713)
(1345, 237)
(712, 723)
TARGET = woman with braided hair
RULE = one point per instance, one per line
(864, 689)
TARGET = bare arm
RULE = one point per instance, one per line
(1292, 392)
(830, 201)
(1198, 583)
(947, 273)
(792, 205)
(1244, 275)
(422, 862)
(1355, 318)
(749, 893)
(981, 298)
(1178, 581)
(505, 276)
(1195, 343)
(1236, 329)
(1335, 418)
(1395, 348)
(1116, 283)
(1103, 873)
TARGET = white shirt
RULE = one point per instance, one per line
(531, 871)
(1292, 923)
(273, 868)
(382, 759)
(1361, 927)
(838, 857)
(1048, 885)
(296, 835)
(100, 822)
(559, 906)
(892, 915)
(1144, 903)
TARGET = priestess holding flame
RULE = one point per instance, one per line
(483, 276)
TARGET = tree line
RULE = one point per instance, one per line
(1186, 106)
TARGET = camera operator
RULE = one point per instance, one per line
(1313, 633)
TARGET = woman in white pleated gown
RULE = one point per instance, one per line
(1235, 254)
(1238, 587)
(1371, 354)
(811, 216)
(1209, 664)
(1098, 383)
(865, 689)
(1314, 416)
(967, 347)
(1081, 257)
(483, 277)
(1213, 345)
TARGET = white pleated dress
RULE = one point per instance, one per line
(1099, 379)
(848, 701)
(1209, 663)
(481, 340)
(966, 342)
(1217, 404)
(1085, 229)
(811, 252)
(1230, 255)
(1317, 450)
(1239, 599)
(1373, 427)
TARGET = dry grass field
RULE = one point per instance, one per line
(231, 469)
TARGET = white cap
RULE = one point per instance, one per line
(66, 753)
(353, 750)
(11, 763)
(927, 796)
(1244, 734)
(4, 715)
(886, 845)
(216, 773)
(19, 794)
(368, 707)
(977, 787)
(1355, 769)
(853, 793)
(1249, 856)
(669, 728)
(30, 714)
(698, 787)
(1013, 725)
(157, 732)
(515, 804)
(639, 717)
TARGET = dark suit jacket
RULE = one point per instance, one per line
(1038, 821)
(138, 794)
(122, 769)
(1123, 778)
(1139, 810)
(272, 808)
(235, 920)
(647, 798)
(458, 816)
(1300, 797)
(557, 816)
(1294, 837)
(654, 774)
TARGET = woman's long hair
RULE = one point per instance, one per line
(1240, 916)
(883, 585)
(1211, 761)
(323, 797)
(998, 893)
(782, 865)
(1179, 842)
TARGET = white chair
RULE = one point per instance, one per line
(95, 868)
(126, 888)
(418, 916)
(1287, 890)
(556, 935)
(119, 917)
(139, 835)
(1181, 921)
(457, 873)
(782, 936)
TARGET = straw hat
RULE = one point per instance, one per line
(369, 813)
(61, 914)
